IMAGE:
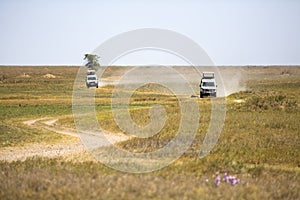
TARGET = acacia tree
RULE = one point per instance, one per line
(92, 61)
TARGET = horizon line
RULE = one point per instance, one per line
(73, 65)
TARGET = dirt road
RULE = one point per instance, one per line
(64, 148)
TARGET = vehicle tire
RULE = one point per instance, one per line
(201, 95)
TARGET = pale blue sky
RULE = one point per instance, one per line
(232, 32)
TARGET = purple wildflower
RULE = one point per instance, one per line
(227, 179)
(234, 182)
(218, 180)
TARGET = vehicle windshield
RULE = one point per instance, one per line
(92, 78)
(208, 84)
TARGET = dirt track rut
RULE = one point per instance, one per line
(49, 150)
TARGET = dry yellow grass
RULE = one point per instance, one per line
(259, 144)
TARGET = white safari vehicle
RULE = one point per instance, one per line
(91, 72)
(91, 81)
(208, 86)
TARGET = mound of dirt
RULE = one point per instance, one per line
(49, 76)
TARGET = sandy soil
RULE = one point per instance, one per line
(69, 148)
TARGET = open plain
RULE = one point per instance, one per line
(42, 156)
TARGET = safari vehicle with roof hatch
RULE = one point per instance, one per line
(91, 72)
(208, 86)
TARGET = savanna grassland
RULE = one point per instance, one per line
(259, 144)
